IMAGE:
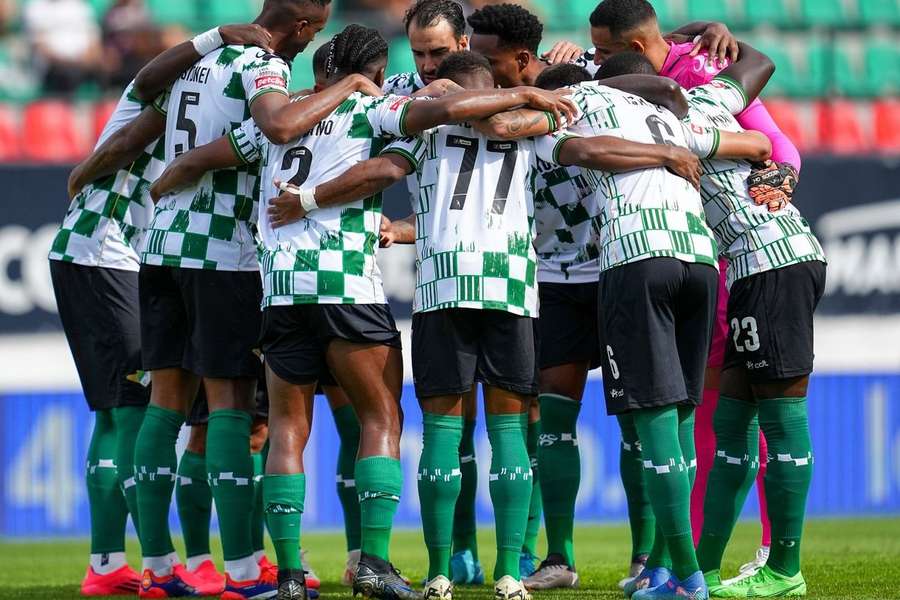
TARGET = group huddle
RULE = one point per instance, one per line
(627, 208)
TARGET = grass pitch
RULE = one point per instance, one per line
(843, 559)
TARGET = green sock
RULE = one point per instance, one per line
(464, 526)
(128, 423)
(510, 486)
(230, 471)
(536, 507)
(785, 423)
(439, 484)
(640, 513)
(560, 464)
(379, 481)
(348, 431)
(109, 512)
(155, 467)
(258, 517)
(194, 502)
(686, 441)
(283, 498)
(734, 470)
(668, 483)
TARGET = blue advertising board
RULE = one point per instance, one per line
(855, 422)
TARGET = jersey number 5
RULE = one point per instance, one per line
(184, 123)
(510, 151)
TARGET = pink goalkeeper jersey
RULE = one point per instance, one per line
(691, 71)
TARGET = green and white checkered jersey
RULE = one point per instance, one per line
(403, 84)
(567, 220)
(474, 221)
(753, 239)
(646, 213)
(209, 225)
(329, 256)
(105, 222)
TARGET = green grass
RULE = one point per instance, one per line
(843, 559)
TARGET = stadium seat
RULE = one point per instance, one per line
(567, 14)
(177, 12)
(767, 12)
(819, 74)
(848, 76)
(228, 11)
(666, 14)
(787, 116)
(823, 13)
(9, 135)
(879, 12)
(887, 125)
(882, 65)
(784, 81)
(840, 128)
(709, 10)
(400, 59)
(49, 133)
(103, 110)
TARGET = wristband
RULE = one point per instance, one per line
(208, 41)
(307, 198)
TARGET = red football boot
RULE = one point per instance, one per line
(124, 581)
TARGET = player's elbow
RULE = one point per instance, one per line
(677, 103)
(278, 133)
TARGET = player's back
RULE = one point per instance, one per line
(750, 236)
(207, 225)
(474, 221)
(105, 222)
(341, 239)
(645, 212)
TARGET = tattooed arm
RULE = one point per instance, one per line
(516, 124)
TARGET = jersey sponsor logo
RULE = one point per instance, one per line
(697, 129)
(270, 80)
(398, 104)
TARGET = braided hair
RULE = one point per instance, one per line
(354, 49)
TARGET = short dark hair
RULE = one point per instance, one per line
(620, 16)
(461, 63)
(513, 25)
(560, 76)
(353, 49)
(428, 13)
(625, 63)
(320, 57)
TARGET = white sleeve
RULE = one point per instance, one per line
(728, 93)
(247, 141)
(547, 147)
(387, 115)
(702, 141)
(268, 73)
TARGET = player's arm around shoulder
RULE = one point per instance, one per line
(241, 146)
(710, 142)
(282, 120)
(120, 150)
(661, 91)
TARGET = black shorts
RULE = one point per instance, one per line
(770, 317)
(567, 327)
(453, 348)
(295, 338)
(98, 308)
(199, 412)
(206, 322)
(656, 319)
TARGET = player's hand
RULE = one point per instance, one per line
(562, 52)
(685, 164)
(364, 85)
(559, 103)
(438, 88)
(772, 184)
(719, 43)
(285, 209)
(246, 35)
(386, 235)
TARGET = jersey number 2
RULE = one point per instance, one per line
(510, 151)
(305, 156)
